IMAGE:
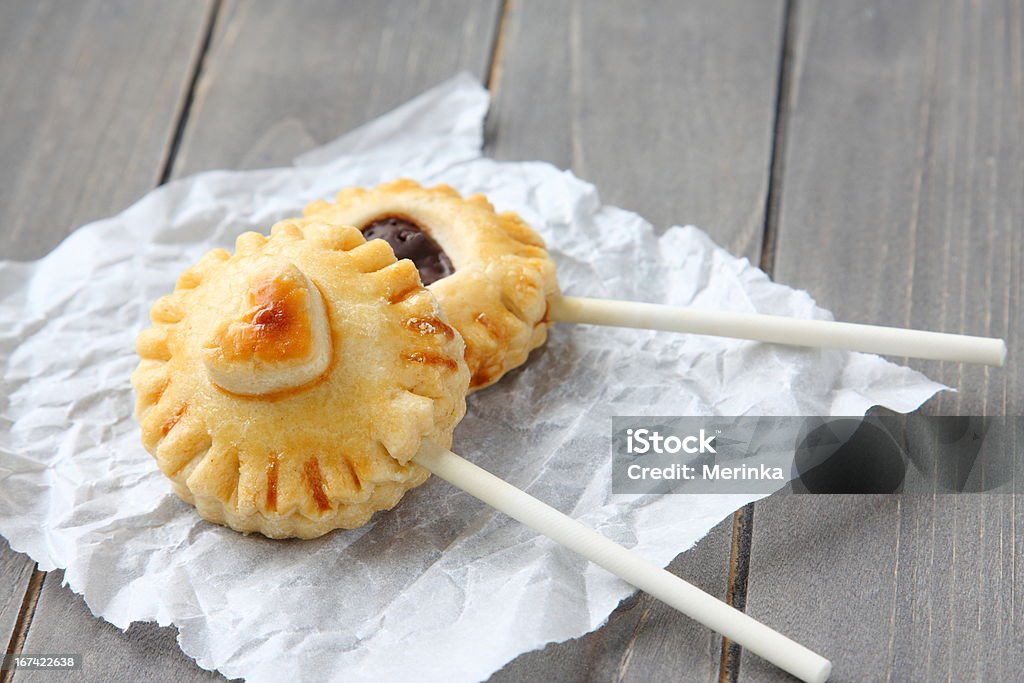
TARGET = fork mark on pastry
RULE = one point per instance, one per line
(217, 474)
(402, 295)
(183, 464)
(513, 307)
(185, 447)
(489, 325)
(428, 325)
(315, 484)
(357, 483)
(398, 281)
(431, 359)
(159, 390)
(172, 422)
(150, 380)
(481, 378)
(489, 366)
(271, 470)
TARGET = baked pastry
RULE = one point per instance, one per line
(286, 388)
(490, 271)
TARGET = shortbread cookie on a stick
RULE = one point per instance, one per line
(286, 388)
(496, 282)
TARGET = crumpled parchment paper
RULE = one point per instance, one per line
(440, 588)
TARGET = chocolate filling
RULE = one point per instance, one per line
(409, 241)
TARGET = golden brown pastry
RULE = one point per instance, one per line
(490, 271)
(284, 389)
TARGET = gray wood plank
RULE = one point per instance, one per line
(668, 109)
(284, 77)
(81, 136)
(670, 112)
(89, 93)
(278, 79)
(145, 652)
(15, 572)
(901, 204)
(644, 639)
(282, 124)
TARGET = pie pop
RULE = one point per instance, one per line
(490, 271)
(286, 388)
(309, 380)
(497, 281)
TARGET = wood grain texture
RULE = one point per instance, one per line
(901, 198)
(669, 110)
(15, 571)
(278, 79)
(282, 78)
(901, 204)
(89, 93)
(900, 194)
(80, 135)
(64, 624)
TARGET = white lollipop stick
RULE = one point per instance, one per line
(630, 567)
(890, 341)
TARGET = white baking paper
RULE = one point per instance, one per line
(441, 588)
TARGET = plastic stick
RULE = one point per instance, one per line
(630, 567)
(890, 341)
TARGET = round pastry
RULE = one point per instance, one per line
(490, 271)
(286, 388)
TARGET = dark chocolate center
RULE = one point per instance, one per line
(409, 241)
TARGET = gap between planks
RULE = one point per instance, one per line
(35, 584)
(497, 49)
(736, 587)
(25, 614)
(743, 519)
(186, 103)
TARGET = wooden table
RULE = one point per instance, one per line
(871, 153)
